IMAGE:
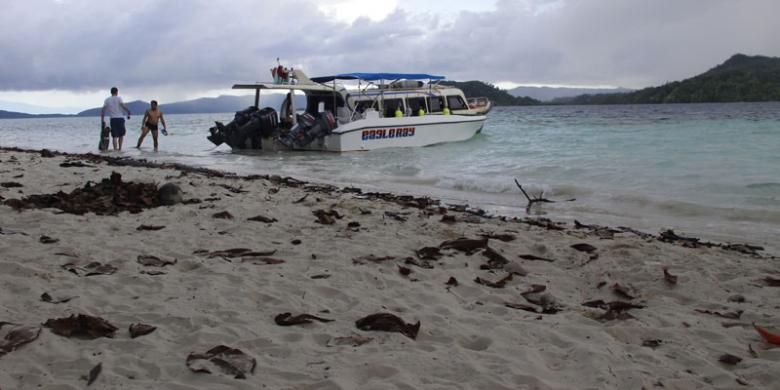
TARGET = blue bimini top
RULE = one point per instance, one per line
(377, 76)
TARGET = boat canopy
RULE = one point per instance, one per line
(377, 76)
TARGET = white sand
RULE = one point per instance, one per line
(468, 339)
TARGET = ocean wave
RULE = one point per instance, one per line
(764, 186)
(683, 209)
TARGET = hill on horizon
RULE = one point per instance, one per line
(547, 94)
(741, 78)
(497, 96)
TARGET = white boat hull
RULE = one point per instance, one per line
(378, 133)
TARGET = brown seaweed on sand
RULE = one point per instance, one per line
(48, 240)
(428, 253)
(48, 298)
(91, 269)
(108, 197)
(729, 359)
(729, 315)
(287, 319)
(388, 323)
(326, 217)
(772, 282)
(243, 253)
(81, 326)
(371, 259)
(153, 261)
(584, 247)
(93, 373)
(501, 283)
(467, 245)
(223, 215)
(495, 259)
(669, 278)
(505, 237)
(615, 310)
(150, 227)
(262, 218)
(622, 291)
(17, 337)
(139, 329)
(535, 258)
(230, 361)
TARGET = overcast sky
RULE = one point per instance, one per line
(68, 53)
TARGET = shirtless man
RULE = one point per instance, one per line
(151, 119)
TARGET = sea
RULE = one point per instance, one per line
(705, 170)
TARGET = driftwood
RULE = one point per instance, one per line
(538, 199)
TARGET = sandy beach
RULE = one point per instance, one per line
(502, 303)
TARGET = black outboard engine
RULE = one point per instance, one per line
(308, 129)
(247, 128)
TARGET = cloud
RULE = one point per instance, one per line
(199, 45)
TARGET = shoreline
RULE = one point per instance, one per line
(514, 306)
(667, 235)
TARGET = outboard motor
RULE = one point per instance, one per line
(247, 128)
(309, 128)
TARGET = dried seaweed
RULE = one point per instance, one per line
(428, 253)
(287, 319)
(262, 218)
(622, 291)
(326, 217)
(81, 326)
(501, 283)
(222, 215)
(495, 259)
(371, 259)
(93, 373)
(388, 323)
(153, 261)
(17, 337)
(91, 269)
(505, 237)
(467, 245)
(452, 282)
(139, 329)
(669, 278)
(45, 297)
(231, 361)
(729, 359)
(108, 197)
(535, 258)
(772, 282)
(150, 227)
(584, 247)
(48, 240)
(354, 340)
(729, 315)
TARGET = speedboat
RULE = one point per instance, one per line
(382, 110)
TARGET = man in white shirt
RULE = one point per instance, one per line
(113, 107)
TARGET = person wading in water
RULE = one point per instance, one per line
(152, 117)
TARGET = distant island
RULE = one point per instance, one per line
(548, 94)
(741, 78)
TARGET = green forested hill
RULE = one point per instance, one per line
(741, 78)
(498, 97)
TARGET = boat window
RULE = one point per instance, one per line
(436, 103)
(391, 105)
(316, 103)
(455, 102)
(363, 105)
(415, 104)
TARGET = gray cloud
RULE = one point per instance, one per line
(196, 45)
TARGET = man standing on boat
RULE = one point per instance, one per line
(113, 106)
(152, 118)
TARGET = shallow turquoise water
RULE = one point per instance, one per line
(710, 170)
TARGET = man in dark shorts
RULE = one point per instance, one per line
(113, 107)
(152, 117)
